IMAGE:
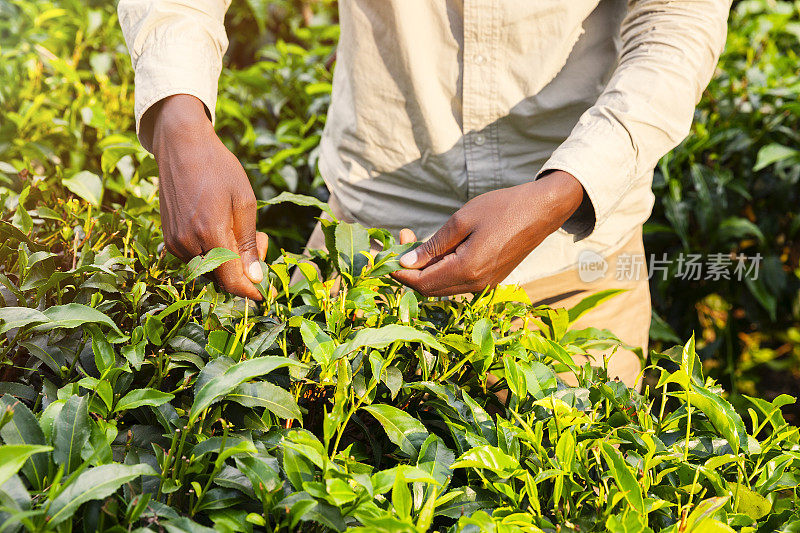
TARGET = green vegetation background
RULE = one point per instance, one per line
(71, 168)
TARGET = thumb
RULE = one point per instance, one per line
(443, 242)
(244, 230)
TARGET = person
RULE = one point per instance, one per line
(514, 137)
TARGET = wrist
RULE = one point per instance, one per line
(181, 116)
(563, 193)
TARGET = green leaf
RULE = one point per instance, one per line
(623, 477)
(103, 352)
(384, 336)
(488, 457)
(482, 336)
(405, 431)
(87, 185)
(772, 153)
(72, 431)
(139, 397)
(23, 428)
(590, 302)
(203, 264)
(737, 228)
(351, 241)
(14, 456)
(539, 378)
(749, 502)
(317, 341)
(19, 317)
(263, 394)
(73, 315)
(401, 497)
(704, 511)
(223, 384)
(565, 450)
(94, 484)
(722, 415)
(298, 199)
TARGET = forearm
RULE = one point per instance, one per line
(176, 47)
(668, 56)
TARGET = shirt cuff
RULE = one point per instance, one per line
(170, 69)
(583, 221)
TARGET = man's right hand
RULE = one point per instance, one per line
(205, 197)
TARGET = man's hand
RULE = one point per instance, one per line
(205, 197)
(487, 238)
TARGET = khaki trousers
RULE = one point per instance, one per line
(627, 315)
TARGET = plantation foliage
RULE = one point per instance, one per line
(137, 397)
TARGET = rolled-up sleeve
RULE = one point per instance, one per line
(176, 47)
(669, 52)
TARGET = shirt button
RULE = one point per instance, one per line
(480, 60)
(479, 139)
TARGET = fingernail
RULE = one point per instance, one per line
(409, 259)
(254, 270)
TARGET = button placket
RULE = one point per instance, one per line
(479, 98)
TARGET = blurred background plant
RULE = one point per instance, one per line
(66, 128)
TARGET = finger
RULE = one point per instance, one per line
(231, 275)
(443, 242)
(407, 236)
(244, 230)
(262, 242)
(448, 276)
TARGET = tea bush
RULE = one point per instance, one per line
(137, 397)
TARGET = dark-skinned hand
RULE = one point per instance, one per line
(206, 200)
(485, 240)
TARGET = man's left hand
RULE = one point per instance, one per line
(485, 240)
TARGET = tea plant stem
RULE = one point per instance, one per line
(688, 427)
(217, 467)
(456, 368)
(360, 402)
(167, 459)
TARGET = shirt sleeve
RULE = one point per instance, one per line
(669, 51)
(176, 47)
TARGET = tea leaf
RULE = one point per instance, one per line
(773, 153)
(263, 394)
(623, 477)
(19, 317)
(223, 384)
(23, 428)
(93, 484)
(71, 432)
(722, 415)
(139, 397)
(590, 302)
(87, 185)
(203, 264)
(13, 456)
(72, 315)
(488, 457)
(384, 336)
(351, 241)
(298, 199)
(405, 431)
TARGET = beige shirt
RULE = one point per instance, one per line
(437, 101)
